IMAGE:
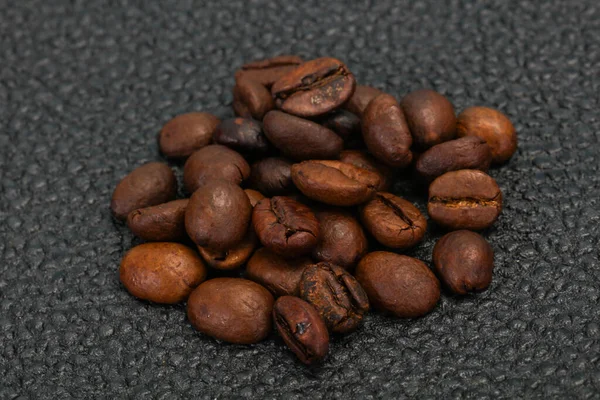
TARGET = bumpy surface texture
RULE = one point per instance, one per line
(85, 87)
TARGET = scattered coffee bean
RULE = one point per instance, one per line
(255, 96)
(361, 98)
(272, 176)
(254, 196)
(162, 223)
(231, 258)
(266, 72)
(281, 276)
(343, 123)
(361, 159)
(186, 133)
(214, 162)
(243, 135)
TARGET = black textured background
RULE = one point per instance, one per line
(84, 88)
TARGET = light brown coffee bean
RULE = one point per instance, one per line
(186, 133)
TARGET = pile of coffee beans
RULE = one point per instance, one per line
(290, 214)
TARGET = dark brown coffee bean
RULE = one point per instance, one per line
(272, 176)
(285, 226)
(314, 87)
(255, 96)
(281, 276)
(301, 328)
(464, 199)
(464, 261)
(301, 139)
(239, 107)
(231, 309)
(243, 135)
(342, 122)
(492, 126)
(267, 72)
(362, 160)
(231, 258)
(254, 196)
(162, 223)
(149, 185)
(430, 117)
(186, 133)
(161, 272)
(335, 182)
(336, 295)
(400, 285)
(393, 221)
(218, 215)
(214, 162)
(361, 98)
(386, 132)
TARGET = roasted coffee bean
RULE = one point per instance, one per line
(218, 215)
(343, 241)
(162, 223)
(186, 133)
(361, 159)
(301, 328)
(393, 221)
(335, 182)
(386, 132)
(464, 261)
(281, 276)
(285, 226)
(231, 309)
(336, 295)
(161, 272)
(342, 122)
(231, 258)
(239, 107)
(466, 153)
(464, 199)
(255, 96)
(266, 72)
(314, 87)
(400, 285)
(243, 135)
(254, 196)
(149, 185)
(301, 139)
(272, 176)
(492, 126)
(361, 98)
(430, 117)
(212, 163)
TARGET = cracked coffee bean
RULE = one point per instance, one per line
(231, 258)
(361, 98)
(162, 223)
(256, 97)
(342, 122)
(214, 162)
(272, 176)
(268, 71)
(281, 276)
(243, 135)
(186, 133)
(361, 159)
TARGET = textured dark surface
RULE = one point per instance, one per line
(84, 89)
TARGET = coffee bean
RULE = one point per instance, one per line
(254, 196)
(361, 98)
(272, 176)
(214, 162)
(464, 261)
(231, 309)
(243, 135)
(336, 295)
(231, 258)
(361, 159)
(343, 123)
(149, 185)
(186, 133)
(393, 221)
(334, 182)
(162, 223)
(314, 87)
(239, 107)
(281, 276)
(301, 328)
(266, 72)
(430, 117)
(255, 96)
(464, 199)
(400, 285)
(386, 132)
(161, 272)
(218, 215)
(285, 226)
(492, 126)
(301, 139)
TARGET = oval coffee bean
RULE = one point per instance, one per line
(272, 176)
(464, 199)
(301, 328)
(400, 285)
(361, 159)
(336, 295)
(162, 223)
(186, 133)
(285, 226)
(492, 126)
(386, 132)
(255, 96)
(361, 98)
(464, 261)
(342, 122)
(214, 162)
(231, 309)
(243, 135)
(254, 196)
(164, 273)
(149, 185)
(231, 258)
(301, 139)
(335, 182)
(281, 276)
(267, 71)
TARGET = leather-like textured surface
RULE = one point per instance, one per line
(85, 86)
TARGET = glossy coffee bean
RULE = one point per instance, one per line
(231, 309)
(281, 276)
(162, 223)
(314, 88)
(243, 135)
(492, 126)
(343, 123)
(240, 108)
(267, 71)
(464, 199)
(212, 163)
(464, 261)
(233, 257)
(393, 221)
(363, 160)
(161, 272)
(285, 226)
(186, 133)
(300, 138)
(255, 96)
(337, 296)
(272, 176)
(335, 182)
(301, 328)
(149, 185)
(430, 117)
(218, 215)
(254, 196)
(361, 98)
(386, 132)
